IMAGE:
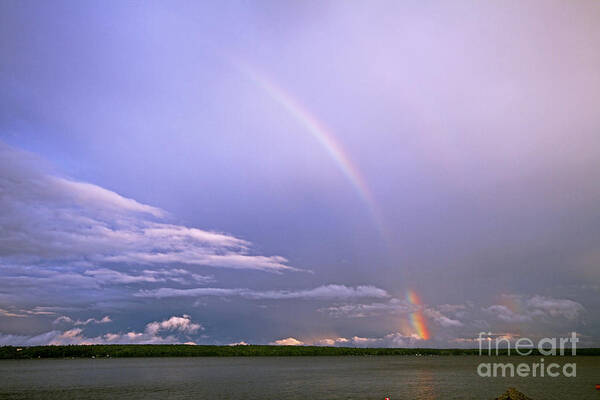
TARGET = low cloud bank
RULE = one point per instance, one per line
(177, 330)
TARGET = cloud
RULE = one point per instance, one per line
(97, 197)
(339, 341)
(152, 334)
(54, 220)
(181, 324)
(505, 314)
(393, 306)
(441, 319)
(63, 319)
(363, 341)
(104, 320)
(25, 312)
(51, 337)
(452, 308)
(288, 342)
(242, 343)
(68, 320)
(109, 276)
(556, 307)
(46, 284)
(523, 309)
(394, 339)
(326, 292)
(7, 313)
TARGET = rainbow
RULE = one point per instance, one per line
(321, 133)
(417, 318)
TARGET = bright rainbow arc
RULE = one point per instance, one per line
(416, 318)
(320, 132)
(328, 140)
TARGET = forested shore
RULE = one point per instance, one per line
(182, 350)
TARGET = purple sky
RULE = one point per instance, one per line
(226, 172)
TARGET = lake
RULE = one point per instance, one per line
(366, 377)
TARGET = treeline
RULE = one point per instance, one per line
(176, 350)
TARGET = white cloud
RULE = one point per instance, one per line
(54, 220)
(326, 292)
(63, 319)
(182, 324)
(338, 341)
(151, 335)
(104, 320)
(50, 337)
(363, 341)
(89, 195)
(394, 339)
(288, 342)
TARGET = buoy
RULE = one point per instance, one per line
(387, 398)
(597, 386)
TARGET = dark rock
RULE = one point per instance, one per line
(513, 394)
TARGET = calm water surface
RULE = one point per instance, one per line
(399, 377)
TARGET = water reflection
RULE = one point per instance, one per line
(283, 378)
(425, 385)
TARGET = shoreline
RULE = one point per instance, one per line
(187, 350)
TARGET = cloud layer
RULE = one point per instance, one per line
(327, 292)
(172, 330)
(48, 220)
(69, 247)
(395, 339)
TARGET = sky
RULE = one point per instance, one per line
(402, 173)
